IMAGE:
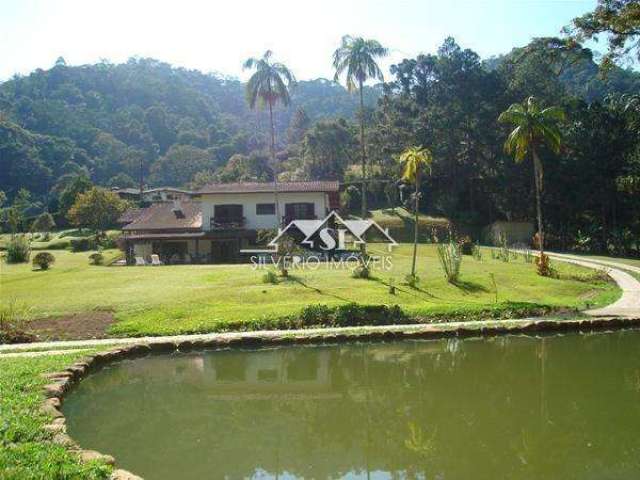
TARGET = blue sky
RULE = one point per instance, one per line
(216, 36)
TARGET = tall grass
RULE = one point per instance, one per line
(18, 249)
(450, 258)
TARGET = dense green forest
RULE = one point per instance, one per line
(110, 123)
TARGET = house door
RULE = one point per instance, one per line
(225, 251)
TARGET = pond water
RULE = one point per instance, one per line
(561, 407)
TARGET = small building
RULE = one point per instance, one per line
(512, 232)
(216, 222)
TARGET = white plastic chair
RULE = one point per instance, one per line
(155, 260)
(140, 262)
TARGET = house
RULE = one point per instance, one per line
(216, 222)
(153, 195)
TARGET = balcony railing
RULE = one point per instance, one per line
(227, 223)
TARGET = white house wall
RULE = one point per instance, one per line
(250, 200)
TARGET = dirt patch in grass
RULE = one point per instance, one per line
(78, 326)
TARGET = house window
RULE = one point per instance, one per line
(225, 216)
(299, 211)
(266, 209)
(224, 213)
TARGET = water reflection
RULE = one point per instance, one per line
(520, 408)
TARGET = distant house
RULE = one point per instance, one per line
(153, 195)
(213, 224)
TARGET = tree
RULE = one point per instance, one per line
(415, 161)
(534, 127)
(620, 19)
(327, 148)
(357, 57)
(180, 164)
(269, 84)
(97, 209)
(43, 223)
(79, 184)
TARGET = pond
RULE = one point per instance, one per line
(557, 407)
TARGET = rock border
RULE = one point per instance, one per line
(63, 381)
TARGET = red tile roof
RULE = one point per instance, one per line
(255, 187)
(166, 216)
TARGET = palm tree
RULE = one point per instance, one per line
(269, 85)
(415, 161)
(357, 57)
(534, 127)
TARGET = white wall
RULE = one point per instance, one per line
(250, 200)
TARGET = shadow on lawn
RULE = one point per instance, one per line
(299, 281)
(471, 287)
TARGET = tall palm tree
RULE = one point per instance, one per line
(415, 161)
(534, 127)
(357, 58)
(269, 84)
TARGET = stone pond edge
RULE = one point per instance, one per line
(62, 382)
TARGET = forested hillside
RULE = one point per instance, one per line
(107, 120)
(108, 124)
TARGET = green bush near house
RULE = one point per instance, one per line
(43, 260)
(96, 259)
(83, 244)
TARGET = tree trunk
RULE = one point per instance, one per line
(363, 154)
(415, 225)
(537, 172)
(273, 164)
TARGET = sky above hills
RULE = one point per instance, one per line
(215, 36)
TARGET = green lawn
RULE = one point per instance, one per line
(178, 299)
(26, 449)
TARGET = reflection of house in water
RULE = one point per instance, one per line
(268, 373)
(258, 374)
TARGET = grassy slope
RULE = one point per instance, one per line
(26, 450)
(174, 299)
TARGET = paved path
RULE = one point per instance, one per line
(627, 306)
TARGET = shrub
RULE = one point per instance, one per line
(352, 315)
(270, 277)
(477, 253)
(450, 259)
(466, 245)
(83, 244)
(18, 249)
(109, 241)
(96, 259)
(43, 260)
(543, 265)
